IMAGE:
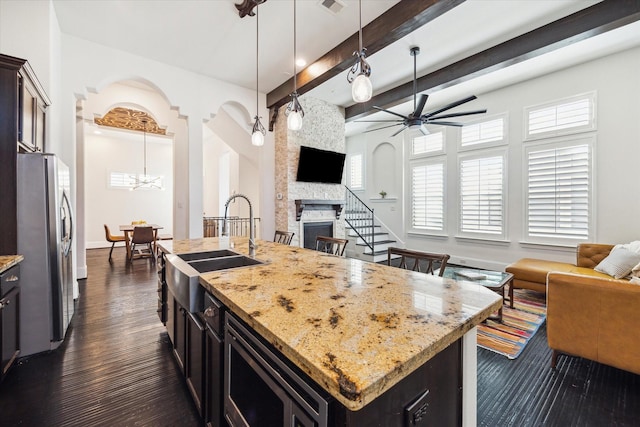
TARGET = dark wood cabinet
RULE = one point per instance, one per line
(23, 110)
(180, 334)
(162, 288)
(32, 113)
(9, 317)
(194, 370)
(214, 380)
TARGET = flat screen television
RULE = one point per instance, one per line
(322, 166)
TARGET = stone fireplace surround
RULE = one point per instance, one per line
(323, 128)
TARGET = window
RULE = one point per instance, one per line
(482, 133)
(427, 196)
(482, 198)
(570, 115)
(558, 191)
(356, 172)
(126, 181)
(433, 143)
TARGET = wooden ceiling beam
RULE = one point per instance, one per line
(589, 22)
(398, 21)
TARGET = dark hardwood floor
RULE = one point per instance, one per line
(116, 369)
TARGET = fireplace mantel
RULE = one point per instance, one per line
(318, 205)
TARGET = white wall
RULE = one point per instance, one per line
(616, 205)
(122, 151)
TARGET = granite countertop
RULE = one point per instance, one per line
(8, 261)
(355, 327)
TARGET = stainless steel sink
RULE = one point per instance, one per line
(207, 255)
(223, 263)
(183, 273)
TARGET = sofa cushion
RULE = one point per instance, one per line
(618, 263)
(535, 270)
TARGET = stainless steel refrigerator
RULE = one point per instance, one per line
(45, 237)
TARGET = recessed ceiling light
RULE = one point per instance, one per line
(301, 62)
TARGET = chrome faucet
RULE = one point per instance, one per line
(252, 242)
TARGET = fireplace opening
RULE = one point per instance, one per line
(311, 230)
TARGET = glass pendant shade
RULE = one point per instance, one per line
(257, 139)
(361, 88)
(294, 120)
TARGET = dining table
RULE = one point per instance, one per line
(128, 228)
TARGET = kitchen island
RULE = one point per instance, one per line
(358, 330)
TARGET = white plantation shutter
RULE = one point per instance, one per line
(356, 172)
(483, 132)
(120, 180)
(559, 192)
(427, 196)
(482, 195)
(426, 144)
(567, 116)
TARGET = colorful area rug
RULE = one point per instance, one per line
(518, 325)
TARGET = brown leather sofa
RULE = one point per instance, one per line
(531, 273)
(589, 314)
(594, 317)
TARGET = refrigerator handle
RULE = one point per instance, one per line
(69, 239)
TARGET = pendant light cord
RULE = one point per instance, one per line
(295, 80)
(360, 13)
(144, 133)
(257, 57)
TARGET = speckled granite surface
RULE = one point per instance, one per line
(8, 261)
(355, 327)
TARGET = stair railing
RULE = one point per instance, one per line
(212, 226)
(360, 218)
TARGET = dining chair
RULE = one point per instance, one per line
(283, 237)
(423, 262)
(331, 245)
(142, 235)
(112, 239)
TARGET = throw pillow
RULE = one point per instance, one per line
(619, 263)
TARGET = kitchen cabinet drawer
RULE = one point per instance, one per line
(213, 313)
(9, 328)
(9, 279)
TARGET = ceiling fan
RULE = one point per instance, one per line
(417, 120)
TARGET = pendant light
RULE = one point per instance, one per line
(144, 181)
(294, 111)
(258, 132)
(361, 88)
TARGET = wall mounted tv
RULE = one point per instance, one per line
(322, 166)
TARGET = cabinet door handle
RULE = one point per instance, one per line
(209, 312)
(12, 278)
(3, 304)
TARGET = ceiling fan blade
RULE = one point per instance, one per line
(458, 124)
(383, 127)
(464, 113)
(378, 121)
(401, 129)
(447, 107)
(390, 112)
(420, 106)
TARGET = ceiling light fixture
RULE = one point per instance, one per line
(361, 87)
(294, 111)
(258, 132)
(145, 181)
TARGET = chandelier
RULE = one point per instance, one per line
(144, 180)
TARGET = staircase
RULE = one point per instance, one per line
(369, 240)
